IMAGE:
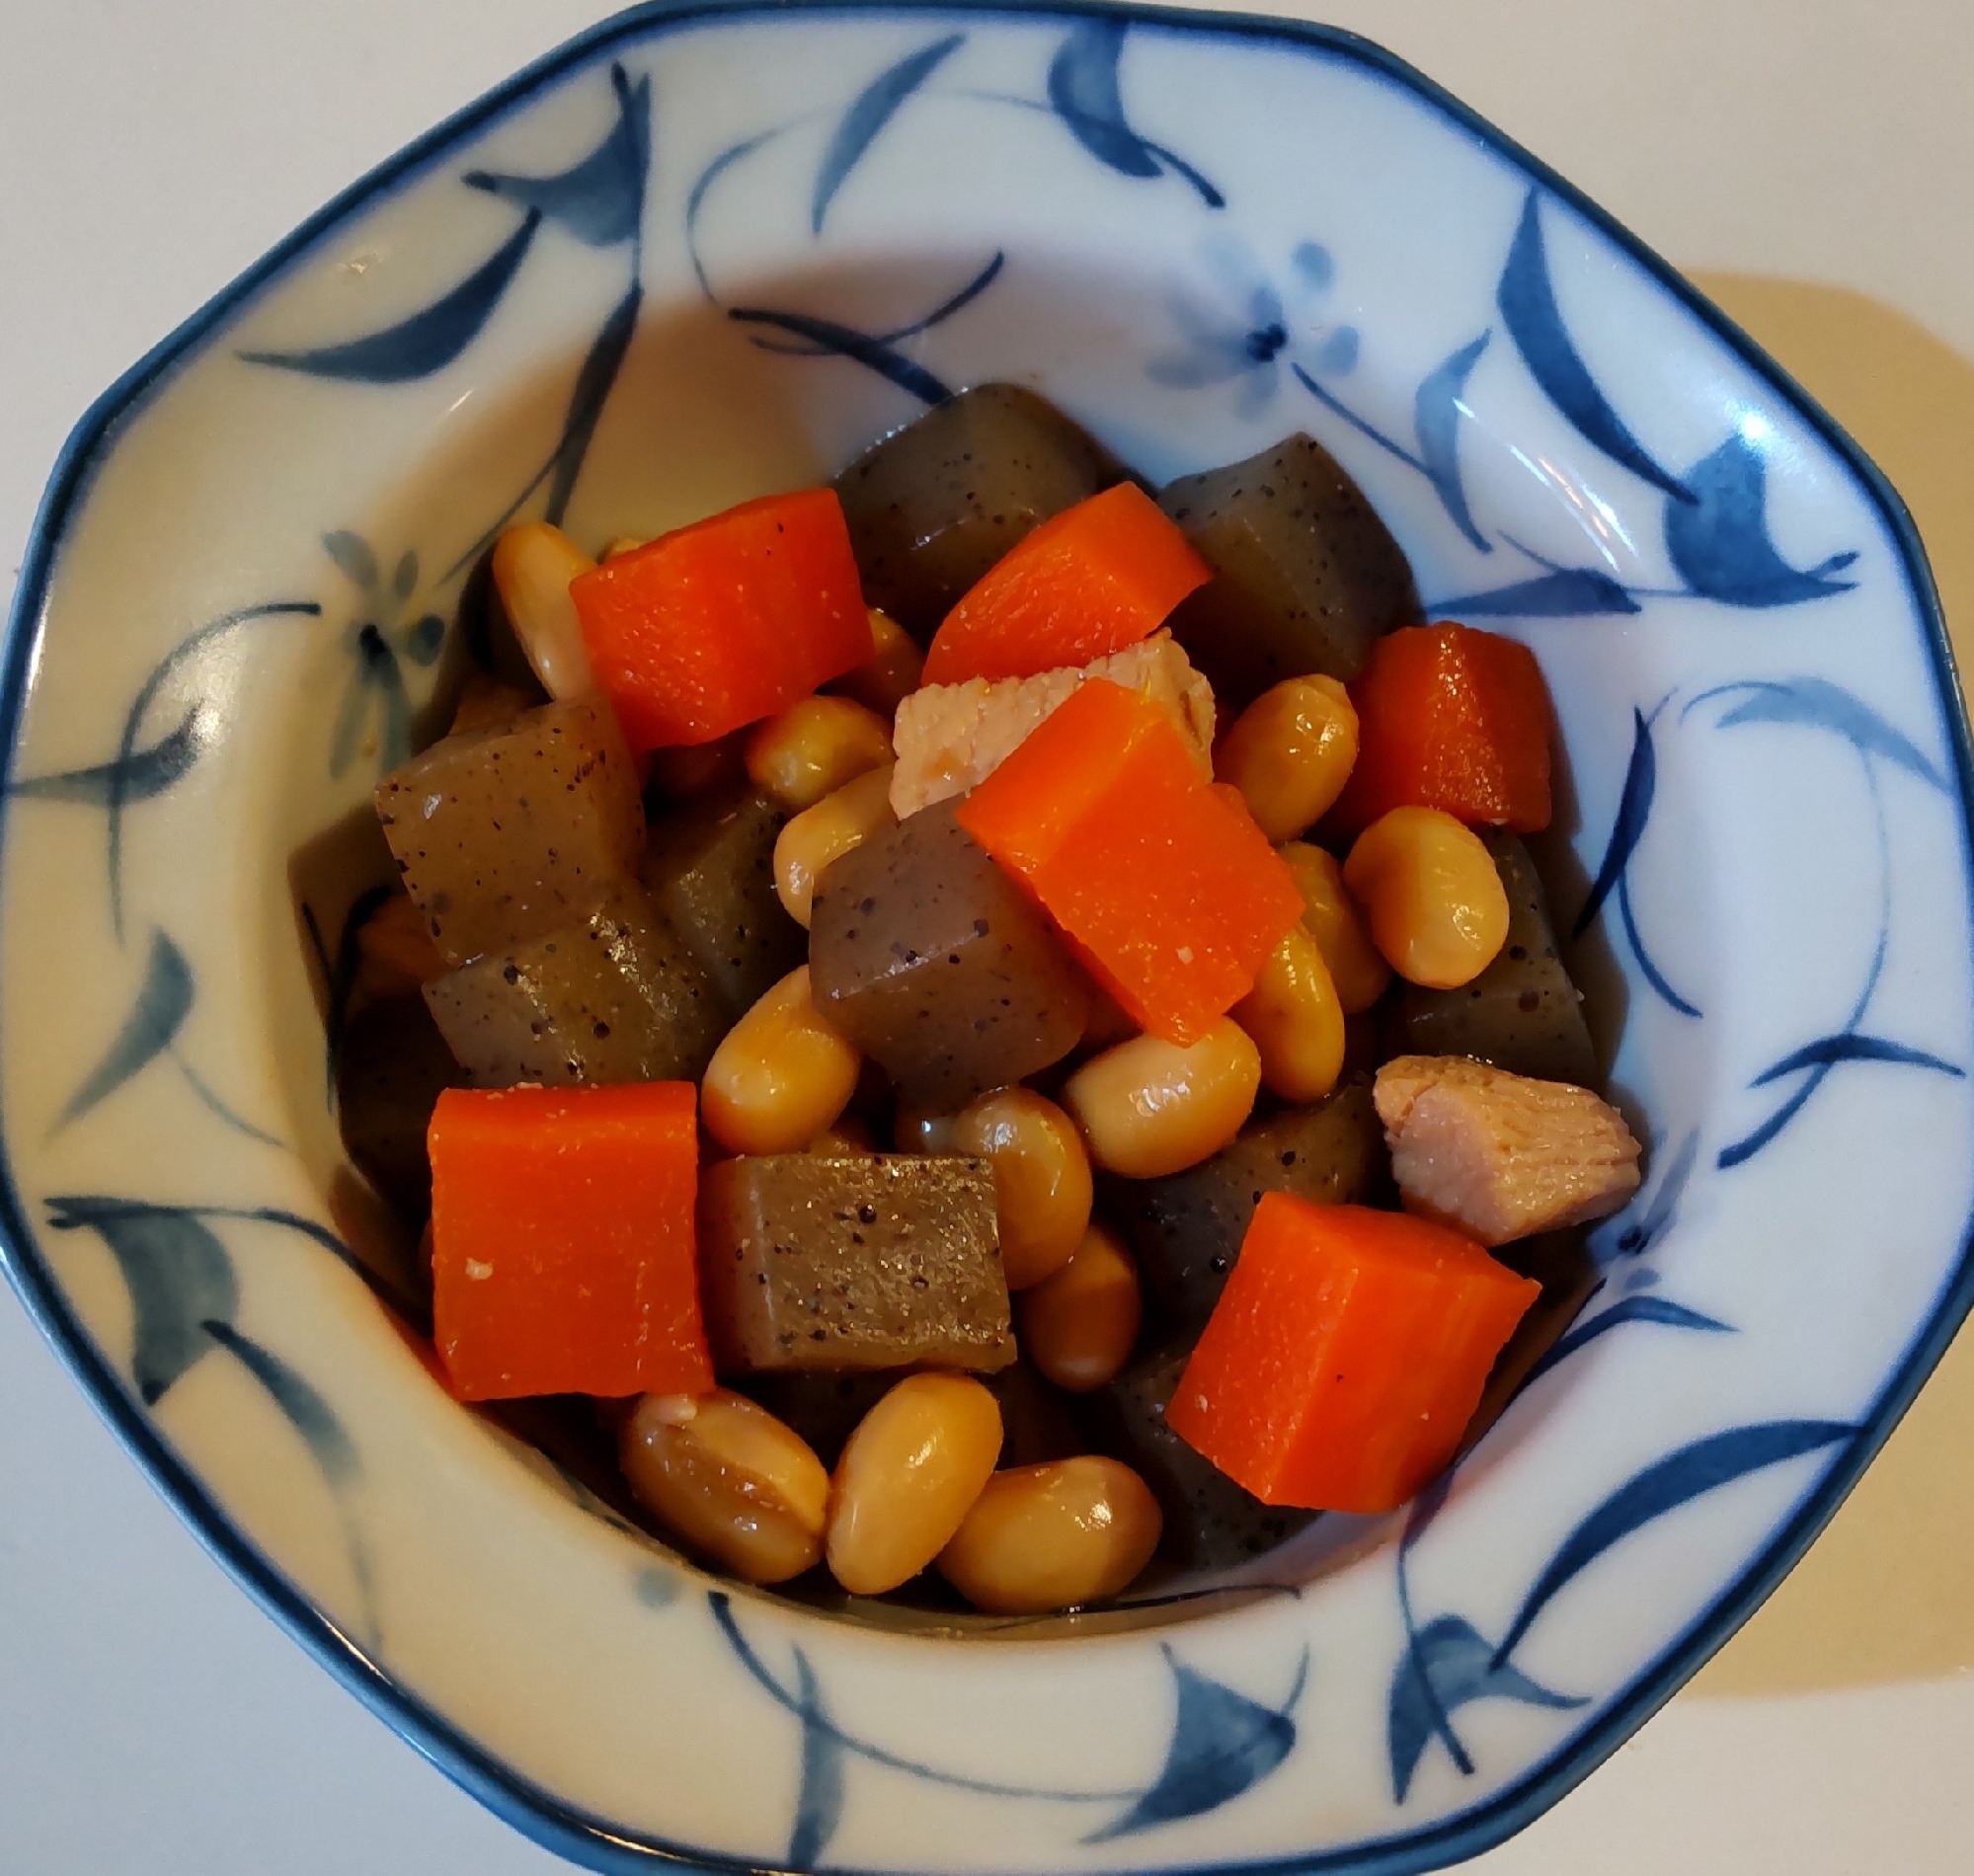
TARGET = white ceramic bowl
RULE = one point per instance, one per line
(767, 235)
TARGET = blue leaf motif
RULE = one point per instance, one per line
(1083, 91)
(1449, 1666)
(406, 575)
(176, 1271)
(1314, 262)
(820, 1807)
(428, 341)
(870, 111)
(1564, 592)
(1222, 1743)
(1635, 1239)
(300, 1402)
(163, 1000)
(593, 384)
(1720, 543)
(137, 776)
(1336, 355)
(1634, 808)
(601, 199)
(1534, 321)
(1818, 704)
(1436, 413)
(130, 772)
(1828, 1051)
(1653, 1309)
(865, 348)
(1664, 1486)
(595, 381)
(354, 555)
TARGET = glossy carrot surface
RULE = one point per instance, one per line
(1091, 581)
(726, 621)
(562, 1240)
(1346, 1354)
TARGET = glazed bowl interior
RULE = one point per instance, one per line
(701, 256)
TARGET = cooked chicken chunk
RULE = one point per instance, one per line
(1497, 1155)
(949, 736)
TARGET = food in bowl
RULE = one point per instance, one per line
(1000, 1086)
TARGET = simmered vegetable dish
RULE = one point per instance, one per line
(989, 1022)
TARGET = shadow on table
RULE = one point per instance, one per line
(1885, 1594)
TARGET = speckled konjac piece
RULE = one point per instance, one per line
(710, 872)
(932, 507)
(1522, 1013)
(504, 834)
(1305, 573)
(884, 1260)
(928, 956)
(1187, 1227)
(611, 998)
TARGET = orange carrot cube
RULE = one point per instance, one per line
(562, 1240)
(1452, 718)
(1089, 582)
(726, 621)
(1169, 892)
(1346, 1354)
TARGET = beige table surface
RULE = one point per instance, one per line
(1809, 162)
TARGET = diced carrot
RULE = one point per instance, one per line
(563, 1259)
(1451, 718)
(1169, 891)
(1088, 582)
(726, 621)
(1345, 1356)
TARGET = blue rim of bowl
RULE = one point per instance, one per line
(562, 1828)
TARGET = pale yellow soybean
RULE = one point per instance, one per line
(814, 747)
(825, 832)
(1078, 1326)
(1293, 1016)
(1435, 906)
(1289, 753)
(1054, 1536)
(1040, 1178)
(779, 1077)
(1356, 969)
(729, 1479)
(892, 673)
(533, 563)
(1148, 1107)
(907, 1479)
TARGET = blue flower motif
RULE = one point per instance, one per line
(1250, 329)
(384, 628)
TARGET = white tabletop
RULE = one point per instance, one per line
(151, 1719)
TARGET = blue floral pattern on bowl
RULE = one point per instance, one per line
(652, 285)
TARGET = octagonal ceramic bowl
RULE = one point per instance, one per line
(707, 252)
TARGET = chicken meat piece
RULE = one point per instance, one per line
(1498, 1156)
(951, 736)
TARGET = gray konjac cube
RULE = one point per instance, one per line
(1187, 1227)
(505, 833)
(710, 872)
(1305, 573)
(932, 507)
(611, 998)
(881, 1261)
(931, 959)
(1522, 1013)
